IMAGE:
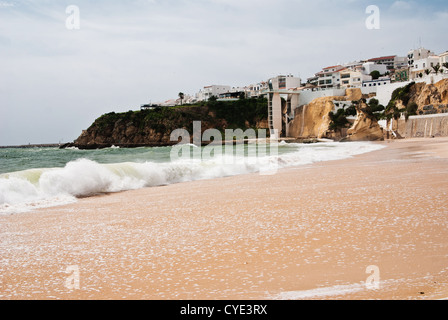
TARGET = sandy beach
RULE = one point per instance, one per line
(309, 232)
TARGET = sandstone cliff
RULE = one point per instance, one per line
(365, 127)
(313, 120)
(435, 94)
(430, 98)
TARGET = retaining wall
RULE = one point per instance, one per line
(435, 125)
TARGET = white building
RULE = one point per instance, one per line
(391, 62)
(329, 77)
(211, 91)
(355, 66)
(443, 58)
(420, 66)
(353, 79)
(278, 88)
(418, 54)
(372, 85)
(256, 90)
(369, 67)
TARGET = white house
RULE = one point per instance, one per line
(369, 67)
(443, 58)
(391, 62)
(418, 54)
(420, 66)
(211, 91)
(353, 79)
(329, 77)
(255, 90)
(355, 65)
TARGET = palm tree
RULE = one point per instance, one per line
(427, 71)
(181, 97)
(436, 68)
(445, 65)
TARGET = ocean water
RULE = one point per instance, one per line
(44, 177)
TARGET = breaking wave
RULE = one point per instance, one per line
(37, 188)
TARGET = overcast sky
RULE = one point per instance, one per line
(54, 81)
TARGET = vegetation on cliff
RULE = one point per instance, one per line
(403, 94)
(418, 99)
(154, 127)
(373, 110)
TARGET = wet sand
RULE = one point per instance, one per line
(308, 232)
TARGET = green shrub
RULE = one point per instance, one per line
(338, 120)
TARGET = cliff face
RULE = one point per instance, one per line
(431, 98)
(154, 127)
(365, 127)
(313, 120)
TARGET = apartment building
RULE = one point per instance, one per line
(391, 62)
(418, 54)
(211, 91)
(420, 66)
(329, 77)
(353, 79)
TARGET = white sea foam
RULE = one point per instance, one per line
(36, 188)
(321, 292)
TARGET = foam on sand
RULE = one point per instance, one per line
(321, 292)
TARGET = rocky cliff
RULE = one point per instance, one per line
(430, 98)
(365, 127)
(314, 121)
(154, 127)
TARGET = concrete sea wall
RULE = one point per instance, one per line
(426, 126)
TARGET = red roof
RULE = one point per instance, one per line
(383, 58)
(331, 67)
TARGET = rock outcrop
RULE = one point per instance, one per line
(433, 94)
(430, 97)
(154, 127)
(354, 94)
(312, 120)
(365, 127)
(150, 128)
